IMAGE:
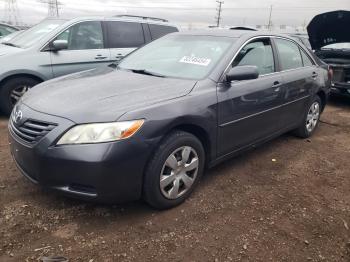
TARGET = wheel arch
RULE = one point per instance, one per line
(200, 133)
(29, 75)
(322, 95)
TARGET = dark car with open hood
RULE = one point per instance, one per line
(149, 127)
(330, 38)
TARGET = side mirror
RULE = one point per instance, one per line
(239, 73)
(58, 45)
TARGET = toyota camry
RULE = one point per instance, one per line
(148, 127)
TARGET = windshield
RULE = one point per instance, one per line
(179, 56)
(6, 30)
(337, 46)
(34, 34)
(10, 36)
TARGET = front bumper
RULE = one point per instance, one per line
(106, 172)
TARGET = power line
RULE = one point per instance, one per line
(219, 9)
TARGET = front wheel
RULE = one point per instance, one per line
(12, 90)
(311, 119)
(174, 170)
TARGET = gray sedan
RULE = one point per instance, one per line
(149, 127)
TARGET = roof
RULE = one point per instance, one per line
(231, 33)
(120, 18)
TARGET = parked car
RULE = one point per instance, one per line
(6, 29)
(330, 38)
(149, 127)
(57, 47)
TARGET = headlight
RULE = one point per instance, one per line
(100, 132)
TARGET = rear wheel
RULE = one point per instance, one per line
(12, 90)
(311, 119)
(174, 170)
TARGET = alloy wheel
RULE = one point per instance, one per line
(179, 172)
(17, 93)
(313, 117)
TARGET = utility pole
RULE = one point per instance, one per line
(56, 6)
(270, 19)
(52, 7)
(304, 25)
(219, 10)
(11, 12)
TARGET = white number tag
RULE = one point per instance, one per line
(195, 60)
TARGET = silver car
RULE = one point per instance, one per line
(58, 47)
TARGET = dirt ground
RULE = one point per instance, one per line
(246, 209)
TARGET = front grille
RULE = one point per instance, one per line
(31, 131)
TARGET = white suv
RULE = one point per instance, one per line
(58, 47)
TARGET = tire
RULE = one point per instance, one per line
(7, 100)
(308, 126)
(173, 190)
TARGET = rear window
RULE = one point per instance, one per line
(125, 34)
(158, 31)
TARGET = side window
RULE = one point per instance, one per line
(257, 53)
(306, 59)
(125, 34)
(289, 54)
(158, 31)
(85, 35)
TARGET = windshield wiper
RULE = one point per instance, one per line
(10, 44)
(146, 72)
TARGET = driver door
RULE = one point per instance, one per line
(86, 49)
(249, 110)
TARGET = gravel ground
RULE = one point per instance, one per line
(246, 209)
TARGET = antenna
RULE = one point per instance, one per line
(11, 12)
(219, 9)
(52, 7)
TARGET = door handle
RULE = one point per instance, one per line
(100, 57)
(277, 86)
(314, 75)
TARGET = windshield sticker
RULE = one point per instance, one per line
(195, 60)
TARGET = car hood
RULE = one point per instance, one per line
(103, 95)
(7, 50)
(329, 28)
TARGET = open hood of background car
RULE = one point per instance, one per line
(329, 28)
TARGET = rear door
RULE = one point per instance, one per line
(123, 38)
(86, 49)
(300, 77)
(250, 110)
